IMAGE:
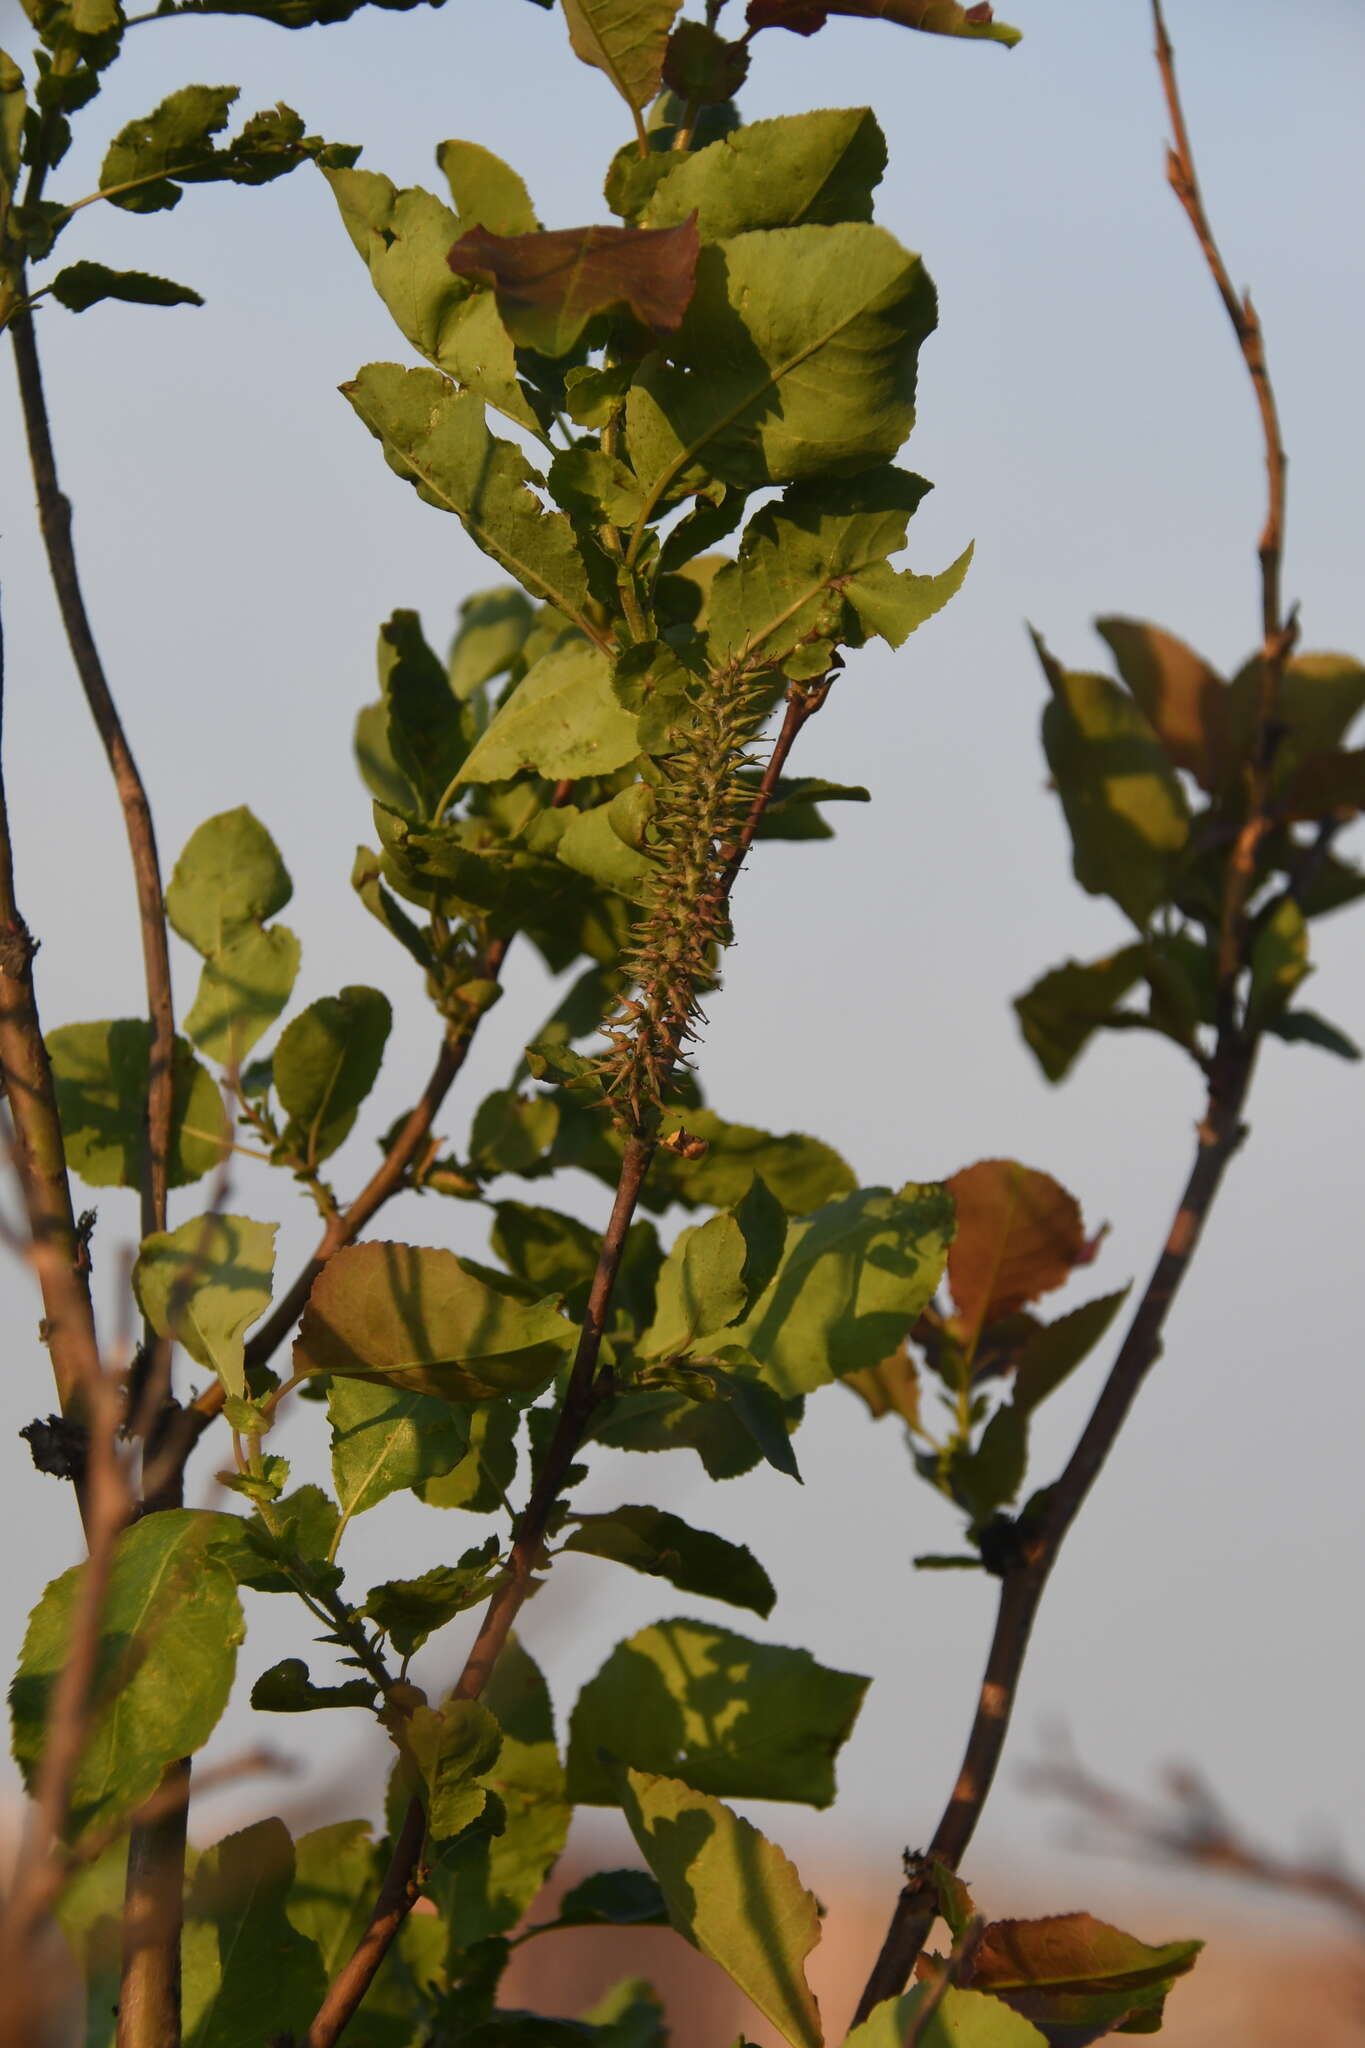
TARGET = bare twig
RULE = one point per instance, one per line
(40, 1157)
(1228, 1071)
(1026, 1576)
(54, 514)
(1192, 1828)
(587, 1387)
(1278, 634)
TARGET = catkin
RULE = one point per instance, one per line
(701, 806)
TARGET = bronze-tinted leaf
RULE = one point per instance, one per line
(1185, 702)
(1019, 1234)
(1077, 1978)
(1325, 785)
(549, 286)
(935, 17)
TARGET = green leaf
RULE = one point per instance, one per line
(247, 1971)
(487, 193)
(286, 1688)
(1062, 1011)
(1319, 698)
(1185, 702)
(554, 1254)
(821, 167)
(82, 285)
(790, 579)
(454, 1746)
(302, 1528)
(365, 880)
(150, 160)
(176, 135)
(511, 1132)
(437, 438)
(1055, 1351)
(894, 602)
(614, 1898)
(743, 1421)
(326, 1063)
(243, 988)
(384, 1439)
(732, 1894)
(603, 843)
(549, 286)
(1279, 962)
(562, 719)
(964, 2019)
(741, 1719)
(700, 66)
(13, 109)
(422, 1322)
(205, 1284)
(166, 1649)
(228, 879)
(1124, 806)
(982, 1478)
(802, 1172)
(1071, 1972)
(100, 1071)
(427, 731)
(626, 39)
(491, 634)
(485, 1884)
(665, 1547)
(701, 1286)
(479, 1481)
(763, 1222)
(854, 1278)
(1306, 1027)
(407, 1611)
(796, 358)
(337, 1873)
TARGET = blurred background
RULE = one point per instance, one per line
(1085, 417)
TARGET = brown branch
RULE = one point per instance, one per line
(54, 514)
(586, 1389)
(388, 1179)
(1277, 633)
(55, 1251)
(1026, 1576)
(1229, 1073)
(1194, 1829)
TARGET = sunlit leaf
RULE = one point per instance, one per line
(733, 1894)
(205, 1284)
(421, 1322)
(741, 1719)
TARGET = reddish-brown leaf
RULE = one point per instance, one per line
(1185, 702)
(1076, 1978)
(935, 17)
(1325, 785)
(549, 286)
(1019, 1234)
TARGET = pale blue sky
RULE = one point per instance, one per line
(1084, 417)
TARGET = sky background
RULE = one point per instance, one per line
(1085, 418)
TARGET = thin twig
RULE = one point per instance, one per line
(1228, 1071)
(1194, 1829)
(54, 514)
(1026, 1577)
(1278, 634)
(39, 1152)
(587, 1387)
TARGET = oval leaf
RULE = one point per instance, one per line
(418, 1320)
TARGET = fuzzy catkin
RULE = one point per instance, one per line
(700, 808)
